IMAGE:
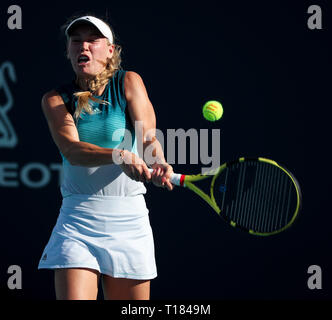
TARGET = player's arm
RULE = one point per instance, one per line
(140, 109)
(65, 135)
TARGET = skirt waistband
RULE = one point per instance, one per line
(106, 204)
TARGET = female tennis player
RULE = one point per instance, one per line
(103, 229)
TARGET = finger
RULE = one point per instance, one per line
(160, 176)
(139, 174)
(169, 186)
(141, 177)
(146, 173)
(165, 177)
(169, 172)
(157, 177)
(160, 172)
(154, 175)
(135, 174)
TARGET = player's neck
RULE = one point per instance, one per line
(83, 85)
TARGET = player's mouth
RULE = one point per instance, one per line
(83, 60)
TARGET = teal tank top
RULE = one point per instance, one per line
(109, 127)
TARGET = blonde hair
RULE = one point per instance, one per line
(111, 66)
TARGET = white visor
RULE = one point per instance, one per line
(103, 28)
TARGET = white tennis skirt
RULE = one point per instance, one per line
(110, 234)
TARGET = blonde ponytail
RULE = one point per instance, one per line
(83, 102)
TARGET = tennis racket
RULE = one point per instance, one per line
(256, 195)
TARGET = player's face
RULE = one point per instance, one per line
(88, 51)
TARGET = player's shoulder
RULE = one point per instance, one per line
(132, 77)
(51, 99)
(133, 83)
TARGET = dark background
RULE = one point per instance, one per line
(272, 75)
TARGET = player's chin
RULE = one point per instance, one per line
(85, 71)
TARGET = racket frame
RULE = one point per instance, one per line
(187, 181)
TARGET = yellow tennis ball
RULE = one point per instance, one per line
(212, 110)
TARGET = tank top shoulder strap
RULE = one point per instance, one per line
(117, 88)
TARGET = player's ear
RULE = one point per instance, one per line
(111, 50)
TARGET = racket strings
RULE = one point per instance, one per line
(259, 196)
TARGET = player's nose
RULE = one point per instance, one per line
(84, 45)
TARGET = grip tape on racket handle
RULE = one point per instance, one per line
(175, 178)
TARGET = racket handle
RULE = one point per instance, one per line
(175, 178)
